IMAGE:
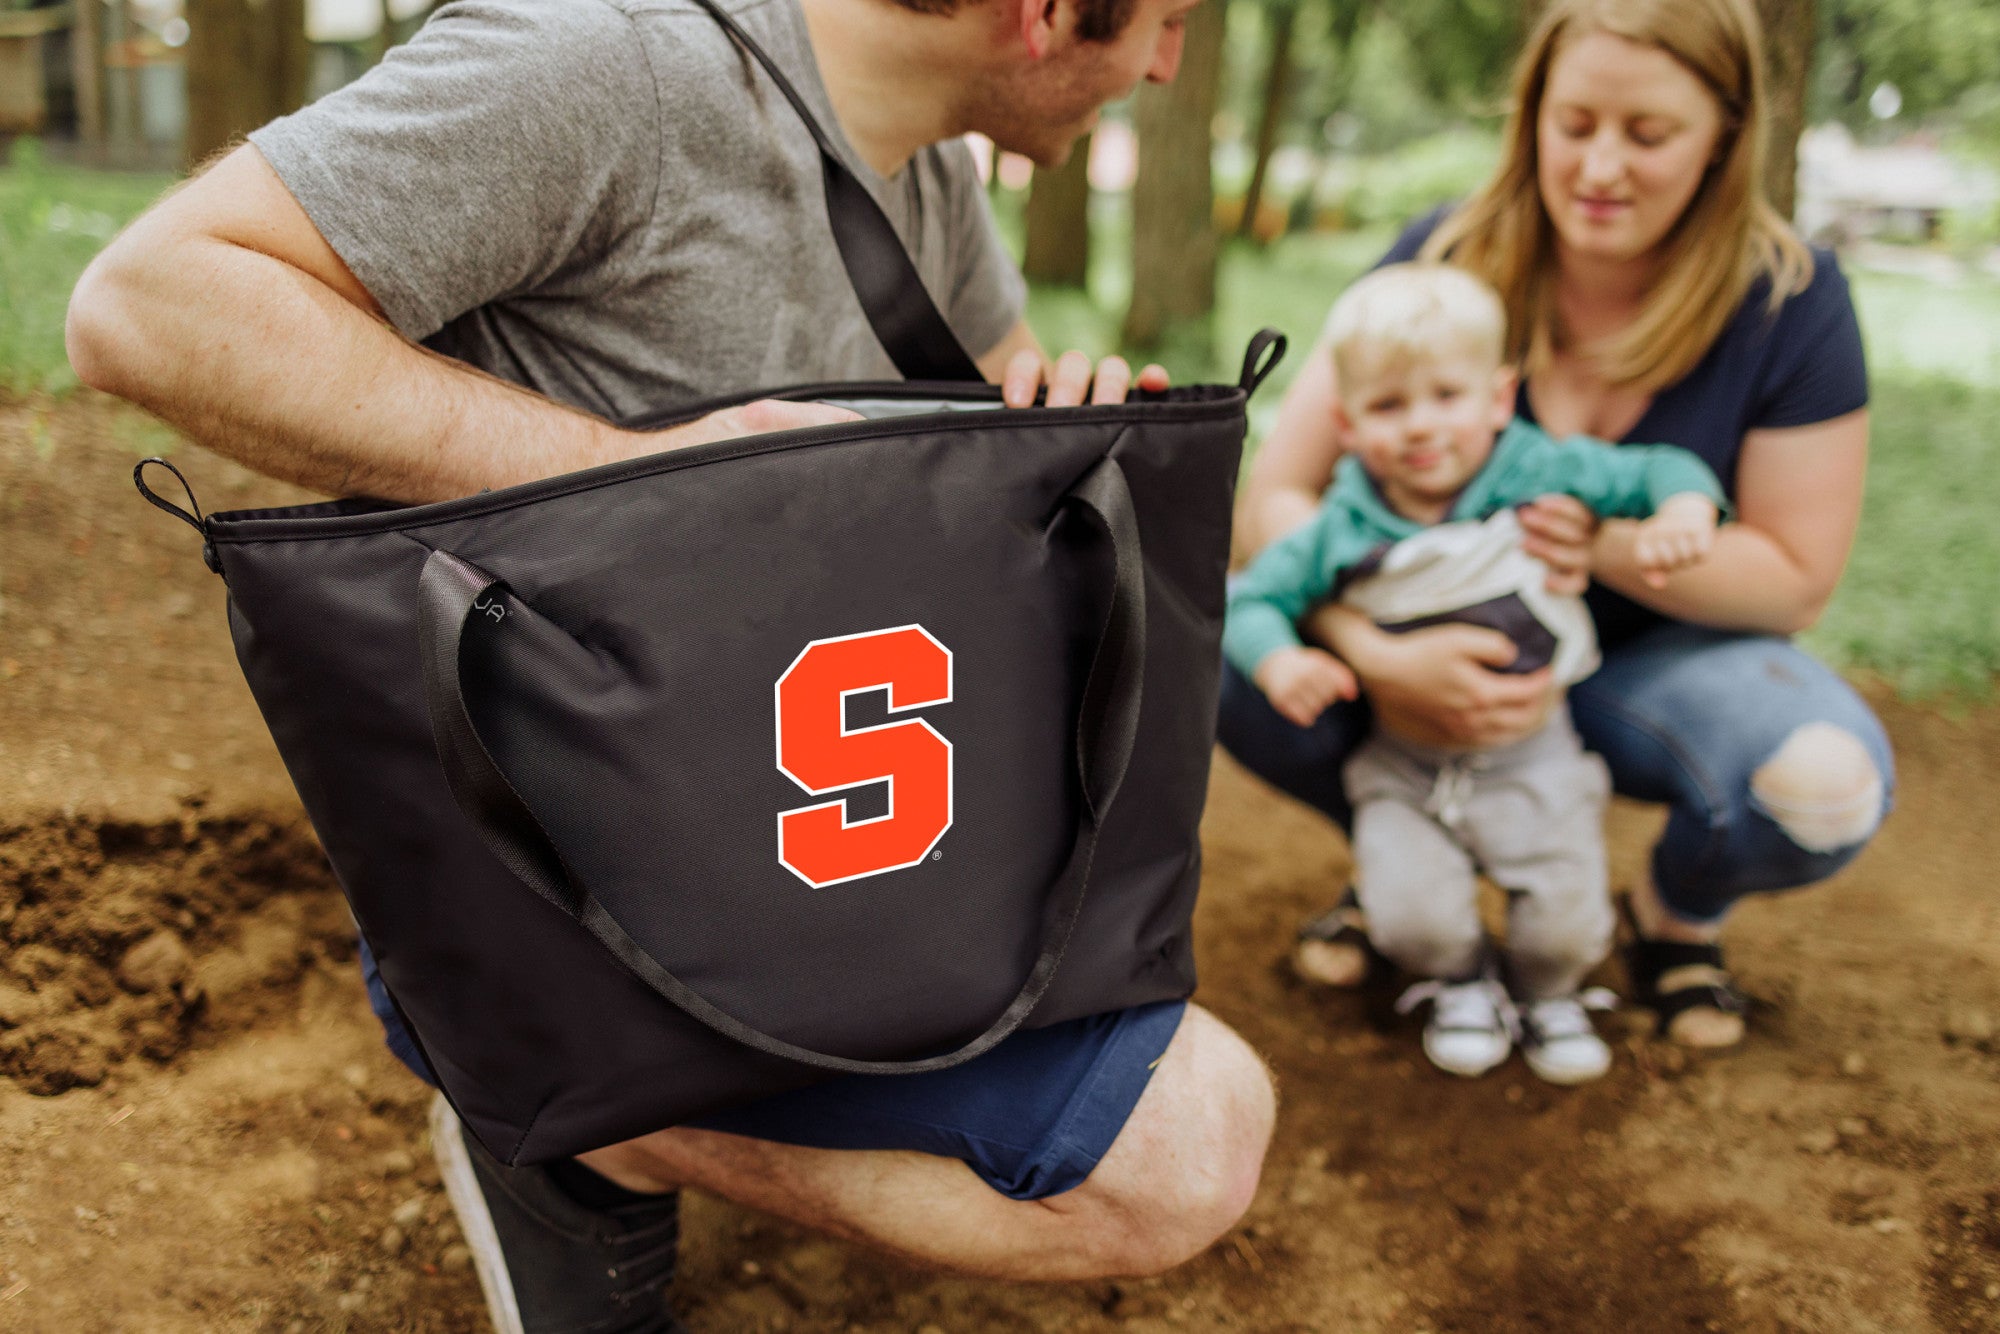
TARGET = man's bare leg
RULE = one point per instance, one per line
(1181, 1172)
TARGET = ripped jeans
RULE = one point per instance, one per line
(1686, 716)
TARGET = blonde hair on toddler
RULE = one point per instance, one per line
(1404, 314)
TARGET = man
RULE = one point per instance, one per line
(585, 209)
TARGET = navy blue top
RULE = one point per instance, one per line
(1802, 365)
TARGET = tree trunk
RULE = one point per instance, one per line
(86, 67)
(1058, 215)
(1284, 21)
(1173, 199)
(247, 63)
(1788, 45)
(385, 36)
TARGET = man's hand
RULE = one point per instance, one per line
(1558, 530)
(1071, 379)
(1678, 535)
(760, 417)
(1302, 683)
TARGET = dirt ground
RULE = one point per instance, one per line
(200, 1130)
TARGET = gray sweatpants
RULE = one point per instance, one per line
(1531, 815)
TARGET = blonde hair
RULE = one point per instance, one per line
(1402, 314)
(1727, 237)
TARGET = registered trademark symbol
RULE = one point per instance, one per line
(937, 856)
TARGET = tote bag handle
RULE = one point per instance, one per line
(905, 319)
(450, 591)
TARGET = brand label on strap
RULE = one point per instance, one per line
(818, 751)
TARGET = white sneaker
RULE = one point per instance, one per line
(1558, 1040)
(1472, 1024)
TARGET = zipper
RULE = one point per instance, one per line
(252, 528)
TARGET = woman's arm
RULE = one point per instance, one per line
(1798, 500)
(1295, 462)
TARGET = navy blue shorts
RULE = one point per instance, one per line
(1032, 1117)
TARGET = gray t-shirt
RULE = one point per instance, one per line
(610, 203)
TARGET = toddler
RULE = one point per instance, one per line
(1418, 529)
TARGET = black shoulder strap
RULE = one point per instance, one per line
(906, 321)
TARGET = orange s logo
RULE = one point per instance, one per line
(816, 750)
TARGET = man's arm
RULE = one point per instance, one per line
(225, 312)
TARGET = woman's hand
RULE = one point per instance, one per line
(1798, 506)
(1440, 686)
(1559, 530)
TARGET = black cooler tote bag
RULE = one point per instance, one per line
(689, 779)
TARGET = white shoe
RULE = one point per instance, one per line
(1558, 1040)
(1472, 1024)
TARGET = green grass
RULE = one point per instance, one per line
(52, 221)
(1916, 326)
(1918, 604)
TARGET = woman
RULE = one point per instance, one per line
(1653, 295)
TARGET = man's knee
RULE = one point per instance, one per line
(1186, 1166)
(1821, 787)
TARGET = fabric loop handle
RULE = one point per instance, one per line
(451, 591)
(1264, 340)
(892, 294)
(194, 520)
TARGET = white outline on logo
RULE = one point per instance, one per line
(950, 786)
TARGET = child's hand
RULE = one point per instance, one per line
(1302, 682)
(1678, 535)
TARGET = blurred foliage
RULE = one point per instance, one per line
(1392, 189)
(1943, 56)
(1361, 83)
(52, 221)
(1468, 46)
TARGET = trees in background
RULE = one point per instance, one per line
(1173, 200)
(1339, 77)
(248, 62)
(1464, 48)
(1281, 20)
(1058, 222)
(1941, 56)
(1386, 71)
(1788, 48)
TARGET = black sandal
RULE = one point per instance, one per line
(1344, 924)
(1648, 960)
